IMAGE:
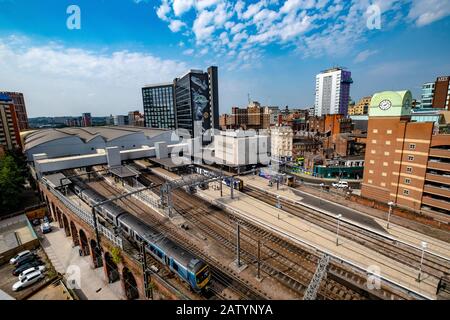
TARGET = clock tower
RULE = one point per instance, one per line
(391, 104)
(389, 114)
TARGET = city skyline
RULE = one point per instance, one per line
(102, 67)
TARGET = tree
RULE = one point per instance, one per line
(116, 255)
(11, 183)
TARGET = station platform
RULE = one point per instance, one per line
(305, 233)
(376, 225)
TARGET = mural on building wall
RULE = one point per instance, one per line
(201, 104)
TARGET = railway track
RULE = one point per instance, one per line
(285, 262)
(222, 276)
(432, 265)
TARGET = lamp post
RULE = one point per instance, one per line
(424, 246)
(321, 191)
(278, 205)
(339, 216)
(390, 204)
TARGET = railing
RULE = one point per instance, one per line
(142, 196)
(86, 217)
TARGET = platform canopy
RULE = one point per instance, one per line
(124, 172)
(168, 163)
(57, 180)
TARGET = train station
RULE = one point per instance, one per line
(151, 216)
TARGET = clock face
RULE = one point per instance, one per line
(385, 104)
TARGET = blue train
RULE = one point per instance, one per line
(186, 266)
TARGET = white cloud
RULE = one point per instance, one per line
(426, 12)
(182, 6)
(203, 4)
(163, 11)
(203, 25)
(188, 52)
(176, 25)
(253, 9)
(364, 55)
(310, 27)
(68, 74)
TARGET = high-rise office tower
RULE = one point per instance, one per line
(332, 92)
(192, 100)
(9, 124)
(196, 100)
(19, 109)
(159, 106)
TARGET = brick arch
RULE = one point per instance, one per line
(74, 232)
(96, 254)
(84, 243)
(66, 225)
(59, 217)
(129, 284)
(111, 268)
(53, 211)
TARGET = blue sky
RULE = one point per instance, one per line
(269, 49)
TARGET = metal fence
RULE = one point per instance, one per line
(86, 217)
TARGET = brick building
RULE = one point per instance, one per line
(9, 124)
(441, 97)
(19, 109)
(362, 107)
(406, 162)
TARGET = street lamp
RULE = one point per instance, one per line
(321, 191)
(390, 204)
(278, 205)
(339, 216)
(424, 246)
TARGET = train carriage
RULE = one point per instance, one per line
(185, 265)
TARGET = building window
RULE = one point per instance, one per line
(370, 171)
(384, 174)
(412, 146)
(389, 131)
(383, 184)
(409, 169)
(372, 161)
(375, 131)
(388, 142)
(410, 158)
(385, 164)
(406, 192)
(407, 180)
(369, 181)
(386, 153)
(372, 151)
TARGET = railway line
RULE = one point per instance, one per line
(281, 260)
(222, 276)
(432, 265)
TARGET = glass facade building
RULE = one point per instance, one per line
(427, 95)
(191, 101)
(159, 110)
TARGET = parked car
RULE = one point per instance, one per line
(36, 222)
(340, 184)
(40, 268)
(46, 219)
(28, 280)
(19, 255)
(46, 227)
(27, 266)
(25, 259)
